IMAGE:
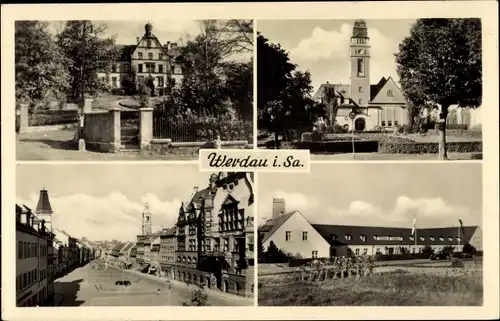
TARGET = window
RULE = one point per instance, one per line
(450, 239)
(360, 101)
(149, 43)
(365, 251)
(314, 254)
(458, 239)
(422, 238)
(360, 89)
(334, 237)
(114, 84)
(361, 68)
(383, 123)
(432, 238)
(348, 237)
(411, 238)
(396, 123)
(160, 68)
(139, 54)
(304, 236)
(139, 67)
(389, 123)
(288, 236)
(20, 250)
(441, 239)
(357, 251)
(126, 68)
(113, 68)
(389, 93)
(150, 55)
(160, 81)
(160, 56)
(363, 238)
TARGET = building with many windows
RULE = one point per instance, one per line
(34, 284)
(167, 251)
(292, 233)
(148, 61)
(213, 231)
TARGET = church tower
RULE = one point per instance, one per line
(146, 221)
(360, 63)
(44, 210)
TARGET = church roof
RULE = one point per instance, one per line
(374, 89)
(43, 206)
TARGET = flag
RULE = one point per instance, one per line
(414, 226)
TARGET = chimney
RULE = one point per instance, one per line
(168, 45)
(279, 207)
(138, 39)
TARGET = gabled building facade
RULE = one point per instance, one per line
(148, 61)
(213, 229)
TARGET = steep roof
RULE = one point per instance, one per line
(374, 89)
(336, 235)
(273, 225)
(125, 52)
(43, 206)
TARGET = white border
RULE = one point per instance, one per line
(487, 10)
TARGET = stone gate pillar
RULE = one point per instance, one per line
(145, 127)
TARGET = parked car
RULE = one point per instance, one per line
(440, 256)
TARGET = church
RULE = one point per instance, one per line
(381, 105)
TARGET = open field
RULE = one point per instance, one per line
(400, 284)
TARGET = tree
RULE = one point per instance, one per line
(439, 64)
(468, 249)
(427, 250)
(238, 87)
(260, 248)
(40, 68)
(332, 105)
(89, 52)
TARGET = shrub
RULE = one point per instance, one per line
(377, 129)
(457, 126)
(405, 256)
(53, 117)
(307, 136)
(196, 297)
(429, 147)
(456, 263)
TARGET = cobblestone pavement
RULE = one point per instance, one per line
(90, 287)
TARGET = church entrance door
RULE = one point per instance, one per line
(359, 124)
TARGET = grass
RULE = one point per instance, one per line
(399, 287)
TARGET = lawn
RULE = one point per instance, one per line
(400, 287)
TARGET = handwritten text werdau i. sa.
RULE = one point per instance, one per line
(222, 161)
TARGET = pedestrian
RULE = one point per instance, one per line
(158, 292)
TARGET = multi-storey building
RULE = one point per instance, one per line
(33, 280)
(212, 228)
(147, 61)
(167, 251)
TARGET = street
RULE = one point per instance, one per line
(91, 287)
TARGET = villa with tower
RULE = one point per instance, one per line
(148, 61)
(381, 104)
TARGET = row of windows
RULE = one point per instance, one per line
(168, 248)
(146, 67)
(395, 238)
(165, 258)
(389, 92)
(28, 278)
(288, 236)
(150, 55)
(26, 250)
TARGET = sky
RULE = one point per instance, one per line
(105, 202)
(322, 46)
(382, 194)
(126, 31)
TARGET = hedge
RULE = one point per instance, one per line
(299, 262)
(58, 117)
(368, 146)
(397, 257)
(429, 147)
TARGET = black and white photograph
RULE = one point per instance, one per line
(372, 235)
(132, 89)
(133, 239)
(371, 89)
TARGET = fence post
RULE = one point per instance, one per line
(23, 117)
(115, 134)
(87, 105)
(145, 127)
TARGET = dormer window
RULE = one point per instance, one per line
(450, 239)
(347, 237)
(432, 238)
(375, 237)
(422, 238)
(412, 238)
(459, 239)
(441, 239)
(334, 237)
(363, 238)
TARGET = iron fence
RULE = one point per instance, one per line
(201, 129)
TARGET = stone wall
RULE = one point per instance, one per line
(101, 130)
